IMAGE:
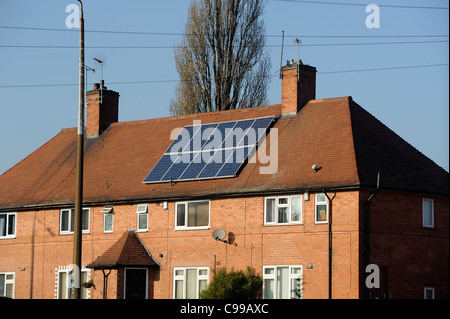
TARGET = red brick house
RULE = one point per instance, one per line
(309, 228)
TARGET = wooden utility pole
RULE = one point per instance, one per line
(77, 233)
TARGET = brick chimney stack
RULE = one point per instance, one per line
(102, 109)
(298, 86)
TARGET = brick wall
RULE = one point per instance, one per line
(414, 256)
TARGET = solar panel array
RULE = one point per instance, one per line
(208, 151)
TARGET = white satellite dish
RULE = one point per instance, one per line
(219, 234)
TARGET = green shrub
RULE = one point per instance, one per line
(234, 285)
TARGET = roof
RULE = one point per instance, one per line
(337, 134)
(128, 250)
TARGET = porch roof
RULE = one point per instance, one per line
(127, 251)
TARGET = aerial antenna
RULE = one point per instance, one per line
(298, 42)
(282, 46)
(101, 78)
(86, 77)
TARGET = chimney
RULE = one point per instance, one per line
(298, 86)
(102, 109)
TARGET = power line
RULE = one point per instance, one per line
(183, 34)
(361, 4)
(387, 68)
(176, 46)
(175, 81)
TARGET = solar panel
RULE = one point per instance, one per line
(216, 150)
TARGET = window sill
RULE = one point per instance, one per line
(192, 228)
(71, 233)
(284, 224)
(8, 237)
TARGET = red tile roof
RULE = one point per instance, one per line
(337, 134)
(128, 250)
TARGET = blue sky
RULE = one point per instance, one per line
(413, 102)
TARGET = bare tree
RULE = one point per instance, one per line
(222, 62)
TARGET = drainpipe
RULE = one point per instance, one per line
(330, 245)
(367, 232)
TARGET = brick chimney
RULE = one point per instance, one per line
(298, 86)
(102, 109)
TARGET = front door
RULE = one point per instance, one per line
(135, 283)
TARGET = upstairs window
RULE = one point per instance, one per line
(108, 219)
(8, 225)
(428, 213)
(67, 221)
(192, 215)
(321, 208)
(283, 210)
(142, 217)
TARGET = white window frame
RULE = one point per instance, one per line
(72, 211)
(186, 215)
(9, 282)
(142, 209)
(288, 205)
(66, 294)
(7, 235)
(108, 211)
(425, 289)
(317, 203)
(183, 279)
(432, 212)
(274, 278)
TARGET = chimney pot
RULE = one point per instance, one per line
(96, 86)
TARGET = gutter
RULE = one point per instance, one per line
(209, 196)
(179, 198)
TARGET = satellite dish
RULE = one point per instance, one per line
(219, 234)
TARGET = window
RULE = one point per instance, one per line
(283, 210)
(142, 217)
(67, 220)
(108, 219)
(189, 282)
(282, 282)
(64, 284)
(8, 225)
(321, 208)
(192, 215)
(428, 293)
(428, 213)
(7, 284)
